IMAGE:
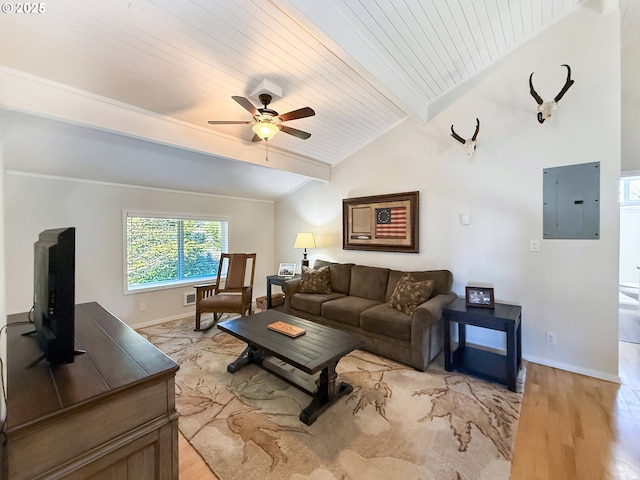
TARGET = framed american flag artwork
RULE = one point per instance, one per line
(386, 223)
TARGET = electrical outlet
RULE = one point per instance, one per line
(551, 338)
(143, 306)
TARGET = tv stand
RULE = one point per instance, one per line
(43, 355)
(109, 414)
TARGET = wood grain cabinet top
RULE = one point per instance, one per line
(107, 412)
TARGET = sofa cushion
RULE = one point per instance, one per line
(340, 277)
(311, 302)
(442, 280)
(408, 294)
(318, 264)
(315, 281)
(384, 320)
(346, 309)
(369, 282)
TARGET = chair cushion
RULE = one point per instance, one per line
(315, 281)
(224, 302)
(408, 294)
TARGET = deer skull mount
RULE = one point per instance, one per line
(470, 144)
(545, 109)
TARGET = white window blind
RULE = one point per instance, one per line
(630, 191)
(162, 251)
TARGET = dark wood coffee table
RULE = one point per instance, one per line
(318, 350)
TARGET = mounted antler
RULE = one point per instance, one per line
(470, 144)
(545, 109)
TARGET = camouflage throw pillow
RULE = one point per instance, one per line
(315, 281)
(408, 294)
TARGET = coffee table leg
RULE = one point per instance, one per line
(328, 392)
(250, 354)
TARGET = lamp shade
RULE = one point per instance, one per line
(265, 130)
(305, 240)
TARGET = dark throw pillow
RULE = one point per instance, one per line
(408, 294)
(315, 281)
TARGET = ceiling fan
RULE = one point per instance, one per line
(268, 122)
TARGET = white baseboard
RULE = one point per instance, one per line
(157, 321)
(574, 369)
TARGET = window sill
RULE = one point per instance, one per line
(167, 285)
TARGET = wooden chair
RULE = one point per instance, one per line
(233, 295)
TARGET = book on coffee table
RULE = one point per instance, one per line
(286, 328)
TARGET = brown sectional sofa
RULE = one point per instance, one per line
(359, 303)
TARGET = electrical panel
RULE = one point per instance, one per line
(571, 201)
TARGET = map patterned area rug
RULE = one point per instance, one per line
(397, 423)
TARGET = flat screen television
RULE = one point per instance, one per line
(54, 294)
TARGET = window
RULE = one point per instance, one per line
(630, 191)
(166, 251)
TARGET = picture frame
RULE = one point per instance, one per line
(287, 270)
(385, 223)
(479, 297)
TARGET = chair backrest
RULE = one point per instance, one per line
(238, 275)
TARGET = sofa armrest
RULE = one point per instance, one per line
(431, 310)
(289, 287)
(426, 329)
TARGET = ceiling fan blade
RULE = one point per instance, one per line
(246, 104)
(227, 122)
(295, 114)
(294, 131)
(256, 138)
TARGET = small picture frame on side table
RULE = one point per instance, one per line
(479, 297)
(287, 270)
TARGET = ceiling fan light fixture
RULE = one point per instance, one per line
(265, 130)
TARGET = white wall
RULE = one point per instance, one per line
(34, 203)
(631, 106)
(629, 244)
(570, 286)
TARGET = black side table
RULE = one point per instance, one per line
(276, 280)
(482, 363)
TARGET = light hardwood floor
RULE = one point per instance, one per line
(571, 427)
(191, 465)
(577, 427)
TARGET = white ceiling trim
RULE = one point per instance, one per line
(18, 173)
(31, 94)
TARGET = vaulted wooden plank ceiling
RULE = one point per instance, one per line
(180, 61)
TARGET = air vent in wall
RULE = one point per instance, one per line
(189, 299)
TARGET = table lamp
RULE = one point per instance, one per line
(305, 240)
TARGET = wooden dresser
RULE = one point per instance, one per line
(109, 415)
